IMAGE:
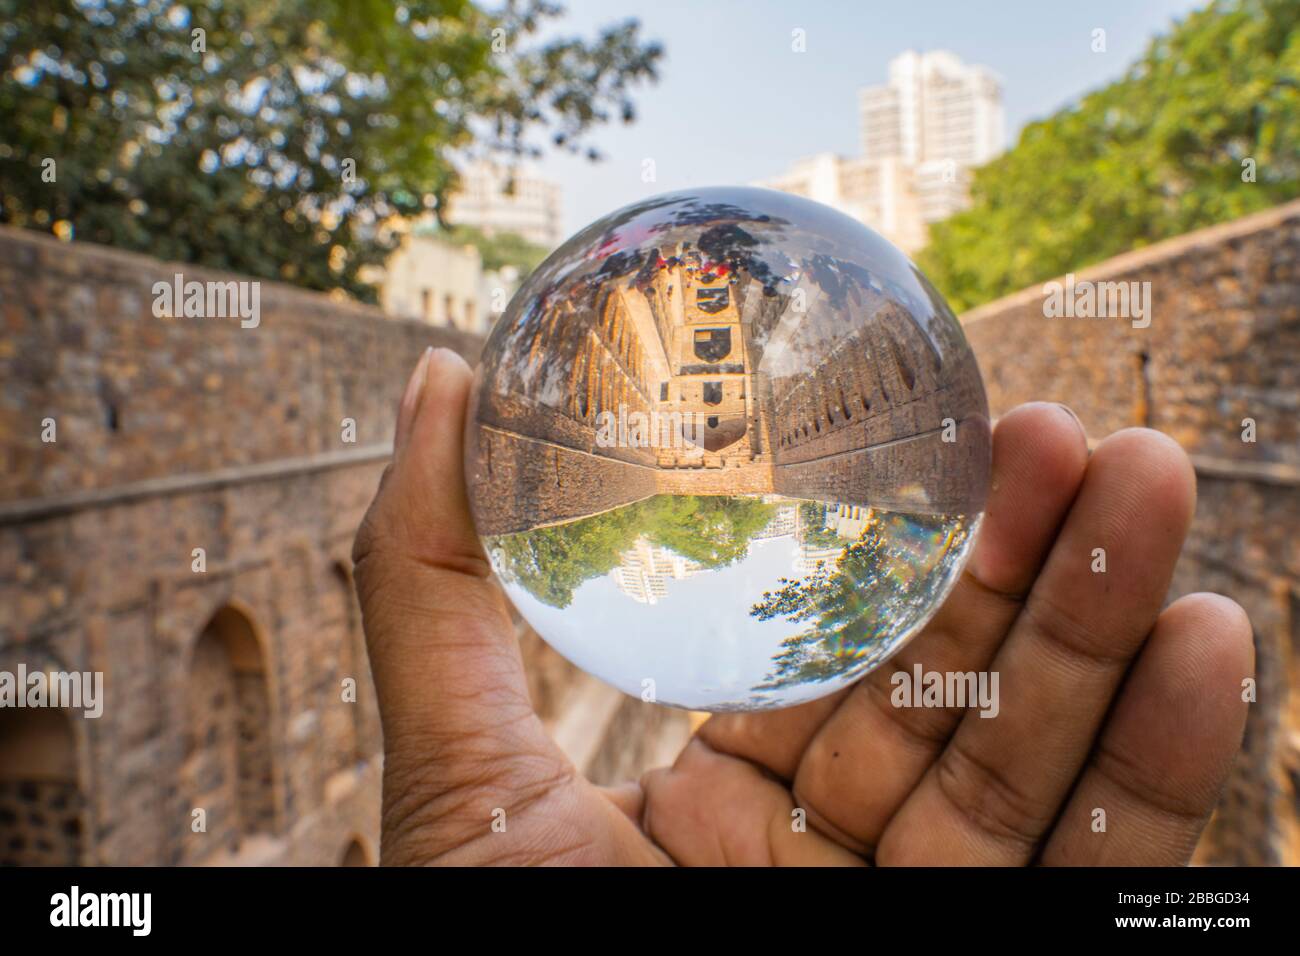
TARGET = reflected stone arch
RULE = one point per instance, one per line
(722, 433)
(42, 807)
(356, 854)
(229, 767)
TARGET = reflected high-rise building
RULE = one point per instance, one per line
(824, 531)
(848, 521)
(644, 571)
(783, 524)
(808, 558)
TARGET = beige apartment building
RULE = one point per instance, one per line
(879, 193)
(444, 284)
(643, 572)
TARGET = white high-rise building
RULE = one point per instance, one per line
(848, 521)
(941, 117)
(497, 198)
(935, 108)
(783, 522)
(922, 133)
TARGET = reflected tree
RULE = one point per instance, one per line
(879, 588)
(712, 531)
(551, 563)
(812, 516)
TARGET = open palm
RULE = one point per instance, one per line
(1118, 721)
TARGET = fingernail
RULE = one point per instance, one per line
(416, 383)
(441, 356)
(1070, 411)
(411, 399)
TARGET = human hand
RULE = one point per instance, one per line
(1107, 701)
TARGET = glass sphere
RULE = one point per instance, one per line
(727, 449)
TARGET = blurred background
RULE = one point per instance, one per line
(180, 489)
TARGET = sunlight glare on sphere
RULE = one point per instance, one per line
(727, 449)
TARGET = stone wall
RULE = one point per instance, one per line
(1222, 346)
(137, 397)
(222, 685)
(517, 482)
(1222, 343)
(175, 434)
(865, 426)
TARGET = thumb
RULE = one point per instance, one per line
(459, 728)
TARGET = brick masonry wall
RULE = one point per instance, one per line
(1223, 345)
(864, 427)
(175, 434)
(516, 482)
(40, 823)
(138, 397)
(111, 589)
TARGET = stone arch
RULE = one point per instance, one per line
(229, 766)
(356, 853)
(342, 719)
(1291, 669)
(42, 806)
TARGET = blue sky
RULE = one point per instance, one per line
(735, 104)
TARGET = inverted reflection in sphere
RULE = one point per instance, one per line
(727, 449)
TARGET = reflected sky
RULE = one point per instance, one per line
(852, 586)
(697, 641)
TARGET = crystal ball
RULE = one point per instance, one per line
(727, 449)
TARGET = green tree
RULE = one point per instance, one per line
(1164, 150)
(850, 604)
(279, 138)
(805, 658)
